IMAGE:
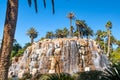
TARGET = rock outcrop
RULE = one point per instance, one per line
(69, 55)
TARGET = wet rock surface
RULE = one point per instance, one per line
(69, 55)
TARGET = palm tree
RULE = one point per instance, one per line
(71, 16)
(108, 27)
(76, 34)
(83, 29)
(32, 33)
(100, 38)
(26, 45)
(98, 35)
(49, 35)
(88, 32)
(112, 72)
(80, 27)
(59, 33)
(65, 32)
(8, 35)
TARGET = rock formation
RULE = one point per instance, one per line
(69, 55)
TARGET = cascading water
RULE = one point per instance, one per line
(59, 55)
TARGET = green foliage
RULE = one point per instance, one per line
(32, 33)
(20, 52)
(26, 45)
(118, 43)
(42, 38)
(90, 75)
(83, 29)
(13, 53)
(49, 35)
(112, 72)
(60, 33)
(65, 32)
(109, 25)
(16, 48)
(115, 56)
(76, 33)
(57, 76)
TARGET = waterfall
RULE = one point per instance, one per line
(59, 55)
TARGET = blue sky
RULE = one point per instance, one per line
(95, 12)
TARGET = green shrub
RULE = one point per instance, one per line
(112, 72)
(57, 76)
(89, 75)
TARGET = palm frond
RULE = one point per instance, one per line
(35, 3)
(29, 2)
(57, 76)
(53, 6)
(112, 73)
(44, 2)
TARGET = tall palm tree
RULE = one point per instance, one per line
(8, 35)
(70, 16)
(78, 27)
(108, 27)
(81, 28)
(100, 38)
(32, 33)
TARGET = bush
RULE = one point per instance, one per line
(112, 72)
(89, 75)
(57, 76)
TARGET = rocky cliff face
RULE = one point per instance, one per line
(59, 55)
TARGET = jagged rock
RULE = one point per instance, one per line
(67, 55)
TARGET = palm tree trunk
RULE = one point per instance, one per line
(79, 32)
(8, 37)
(70, 22)
(104, 46)
(32, 40)
(108, 53)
